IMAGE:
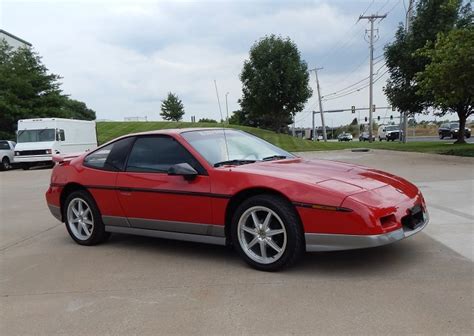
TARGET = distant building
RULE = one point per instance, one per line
(13, 40)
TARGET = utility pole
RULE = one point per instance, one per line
(409, 16)
(320, 106)
(371, 19)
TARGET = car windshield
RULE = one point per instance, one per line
(36, 135)
(391, 128)
(241, 147)
(454, 125)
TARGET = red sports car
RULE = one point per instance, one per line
(224, 186)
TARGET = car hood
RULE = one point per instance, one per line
(340, 177)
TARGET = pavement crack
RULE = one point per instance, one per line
(452, 211)
(6, 247)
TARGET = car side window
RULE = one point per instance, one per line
(156, 154)
(4, 145)
(111, 157)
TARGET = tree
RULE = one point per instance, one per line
(449, 77)
(78, 110)
(28, 90)
(172, 108)
(432, 17)
(275, 84)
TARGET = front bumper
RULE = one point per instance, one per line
(335, 242)
(33, 159)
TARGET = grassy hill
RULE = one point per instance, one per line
(109, 130)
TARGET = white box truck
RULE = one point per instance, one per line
(38, 139)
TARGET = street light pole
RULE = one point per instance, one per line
(227, 107)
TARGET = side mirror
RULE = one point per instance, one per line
(183, 169)
(383, 130)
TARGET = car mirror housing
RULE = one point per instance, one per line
(183, 169)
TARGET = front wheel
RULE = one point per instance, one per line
(267, 233)
(83, 220)
(441, 137)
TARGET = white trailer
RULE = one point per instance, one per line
(38, 139)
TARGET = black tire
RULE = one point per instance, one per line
(441, 136)
(295, 245)
(5, 164)
(98, 234)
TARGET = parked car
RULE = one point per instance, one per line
(364, 136)
(228, 187)
(6, 154)
(344, 137)
(389, 132)
(451, 130)
(38, 139)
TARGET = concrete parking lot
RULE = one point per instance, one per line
(132, 285)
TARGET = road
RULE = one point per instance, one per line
(435, 138)
(134, 285)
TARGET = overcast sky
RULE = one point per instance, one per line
(122, 57)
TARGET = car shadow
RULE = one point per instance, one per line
(386, 259)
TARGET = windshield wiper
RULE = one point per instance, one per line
(233, 162)
(274, 157)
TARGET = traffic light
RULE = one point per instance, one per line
(353, 109)
(393, 108)
(378, 118)
(365, 119)
(391, 117)
(373, 108)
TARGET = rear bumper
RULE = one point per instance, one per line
(336, 242)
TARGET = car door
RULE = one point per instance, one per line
(154, 200)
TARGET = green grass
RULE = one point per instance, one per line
(110, 130)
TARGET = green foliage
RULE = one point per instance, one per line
(206, 120)
(239, 118)
(28, 90)
(275, 84)
(403, 62)
(172, 108)
(449, 77)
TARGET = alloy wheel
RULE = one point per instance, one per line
(262, 234)
(80, 219)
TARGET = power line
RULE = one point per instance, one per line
(356, 89)
(354, 84)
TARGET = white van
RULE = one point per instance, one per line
(389, 132)
(39, 139)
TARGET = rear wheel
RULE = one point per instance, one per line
(441, 136)
(5, 165)
(83, 220)
(267, 233)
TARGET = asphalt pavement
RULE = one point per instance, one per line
(136, 285)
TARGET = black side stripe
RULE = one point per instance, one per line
(151, 190)
(200, 194)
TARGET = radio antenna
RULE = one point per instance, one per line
(223, 129)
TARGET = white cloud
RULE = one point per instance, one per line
(121, 58)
